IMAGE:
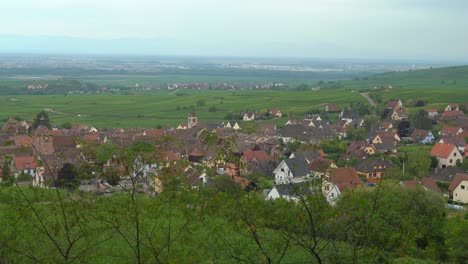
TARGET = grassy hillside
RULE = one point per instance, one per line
(166, 108)
(443, 78)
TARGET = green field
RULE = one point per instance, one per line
(436, 87)
(151, 109)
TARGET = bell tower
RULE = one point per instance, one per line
(192, 119)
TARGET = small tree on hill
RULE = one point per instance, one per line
(67, 177)
(42, 119)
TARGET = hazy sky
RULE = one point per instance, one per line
(425, 29)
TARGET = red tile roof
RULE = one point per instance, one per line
(441, 150)
(449, 130)
(428, 183)
(459, 177)
(345, 178)
(154, 132)
(23, 141)
(25, 162)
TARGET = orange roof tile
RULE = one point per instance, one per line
(459, 177)
(441, 150)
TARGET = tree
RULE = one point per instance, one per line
(421, 120)
(419, 163)
(67, 177)
(403, 128)
(7, 179)
(42, 119)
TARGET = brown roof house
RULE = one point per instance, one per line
(426, 183)
(340, 180)
(446, 154)
(458, 189)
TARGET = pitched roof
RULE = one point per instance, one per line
(345, 178)
(23, 141)
(154, 132)
(459, 177)
(320, 164)
(370, 165)
(445, 174)
(449, 130)
(420, 134)
(25, 162)
(298, 166)
(63, 142)
(427, 183)
(293, 189)
(259, 155)
(441, 150)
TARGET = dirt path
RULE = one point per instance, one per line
(366, 95)
(62, 113)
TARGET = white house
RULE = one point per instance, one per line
(446, 154)
(291, 171)
(458, 189)
(249, 116)
(232, 124)
(290, 192)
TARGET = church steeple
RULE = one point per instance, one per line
(192, 119)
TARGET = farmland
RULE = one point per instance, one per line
(151, 109)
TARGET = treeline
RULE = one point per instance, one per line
(222, 223)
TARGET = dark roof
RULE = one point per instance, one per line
(294, 189)
(370, 165)
(298, 166)
(445, 174)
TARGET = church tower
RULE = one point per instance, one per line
(192, 119)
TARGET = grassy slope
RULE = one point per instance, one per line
(107, 110)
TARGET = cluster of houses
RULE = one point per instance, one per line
(42, 152)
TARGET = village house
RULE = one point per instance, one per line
(290, 192)
(360, 150)
(25, 165)
(340, 180)
(431, 113)
(452, 107)
(422, 136)
(372, 169)
(232, 124)
(16, 126)
(394, 104)
(382, 137)
(446, 154)
(331, 108)
(275, 112)
(399, 114)
(458, 189)
(248, 116)
(291, 171)
(450, 131)
(320, 167)
(452, 115)
(458, 141)
(386, 126)
(426, 183)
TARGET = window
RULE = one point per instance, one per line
(463, 187)
(451, 161)
(455, 154)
